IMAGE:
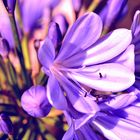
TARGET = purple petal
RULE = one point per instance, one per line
(54, 34)
(55, 94)
(69, 135)
(80, 103)
(46, 54)
(35, 102)
(84, 32)
(112, 10)
(137, 63)
(135, 27)
(137, 82)
(106, 48)
(119, 101)
(115, 128)
(126, 58)
(88, 133)
(62, 22)
(131, 112)
(105, 77)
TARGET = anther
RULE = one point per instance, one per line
(100, 74)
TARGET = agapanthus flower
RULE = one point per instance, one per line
(35, 102)
(86, 59)
(118, 119)
(6, 125)
(5, 26)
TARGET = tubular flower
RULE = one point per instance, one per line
(84, 58)
(118, 119)
(35, 103)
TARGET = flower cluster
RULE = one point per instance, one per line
(66, 61)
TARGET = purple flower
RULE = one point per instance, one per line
(5, 26)
(35, 102)
(103, 64)
(112, 11)
(118, 119)
(6, 125)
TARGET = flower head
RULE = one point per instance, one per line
(86, 59)
(35, 102)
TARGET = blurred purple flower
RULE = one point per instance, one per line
(10, 5)
(5, 26)
(113, 10)
(35, 102)
(32, 12)
(103, 64)
(118, 119)
(6, 125)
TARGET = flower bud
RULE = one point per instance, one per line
(54, 34)
(35, 102)
(6, 125)
(10, 5)
(4, 47)
(62, 22)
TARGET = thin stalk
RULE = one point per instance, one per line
(26, 76)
